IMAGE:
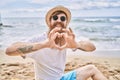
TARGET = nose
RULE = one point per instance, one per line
(58, 20)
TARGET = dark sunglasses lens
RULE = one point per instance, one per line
(55, 17)
(62, 18)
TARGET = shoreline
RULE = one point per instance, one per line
(97, 53)
(108, 53)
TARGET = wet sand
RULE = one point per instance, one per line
(16, 68)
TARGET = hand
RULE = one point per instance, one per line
(52, 36)
(69, 39)
(68, 36)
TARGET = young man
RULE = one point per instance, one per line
(49, 50)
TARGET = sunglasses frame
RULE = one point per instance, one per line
(62, 18)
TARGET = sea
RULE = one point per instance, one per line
(104, 32)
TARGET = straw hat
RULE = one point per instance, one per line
(58, 8)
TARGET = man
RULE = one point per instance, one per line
(49, 50)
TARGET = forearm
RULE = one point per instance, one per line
(23, 48)
(85, 46)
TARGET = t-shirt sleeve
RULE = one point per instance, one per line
(39, 38)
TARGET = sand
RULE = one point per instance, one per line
(16, 68)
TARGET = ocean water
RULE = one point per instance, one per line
(104, 32)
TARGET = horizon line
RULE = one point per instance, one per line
(72, 17)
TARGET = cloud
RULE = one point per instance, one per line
(115, 4)
(41, 2)
(25, 10)
(93, 5)
(38, 6)
(73, 4)
(105, 4)
(4, 2)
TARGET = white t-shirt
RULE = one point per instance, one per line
(49, 63)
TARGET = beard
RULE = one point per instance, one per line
(58, 41)
(57, 24)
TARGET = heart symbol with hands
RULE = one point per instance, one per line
(61, 39)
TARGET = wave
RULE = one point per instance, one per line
(105, 39)
(95, 20)
(99, 33)
(114, 20)
(6, 26)
(116, 26)
(98, 19)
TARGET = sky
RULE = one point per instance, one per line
(78, 8)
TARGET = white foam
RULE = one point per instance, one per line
(114, 20)
(116, 26)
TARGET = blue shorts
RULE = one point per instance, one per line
(69, 76)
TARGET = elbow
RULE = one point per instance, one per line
(92, 48)
(12, 50)
(8, 52)
(89, 47)
(86, 46)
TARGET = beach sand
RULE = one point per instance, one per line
(16, 68)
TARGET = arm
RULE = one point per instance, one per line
(85, 46)
(81, 45)
(19, 48)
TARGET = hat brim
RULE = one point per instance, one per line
(58, 8)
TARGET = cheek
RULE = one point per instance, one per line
(51, 22)
(65, 22)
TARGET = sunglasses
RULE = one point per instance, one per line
(62, 18)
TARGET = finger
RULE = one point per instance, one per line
(67, 31)
(73, 35)
(50, 35)
(55, 35)
(63, 47)
(59, 35)
(70, 30)
(55, 30)
(52, 44)
(57, 47)
(65, 36)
